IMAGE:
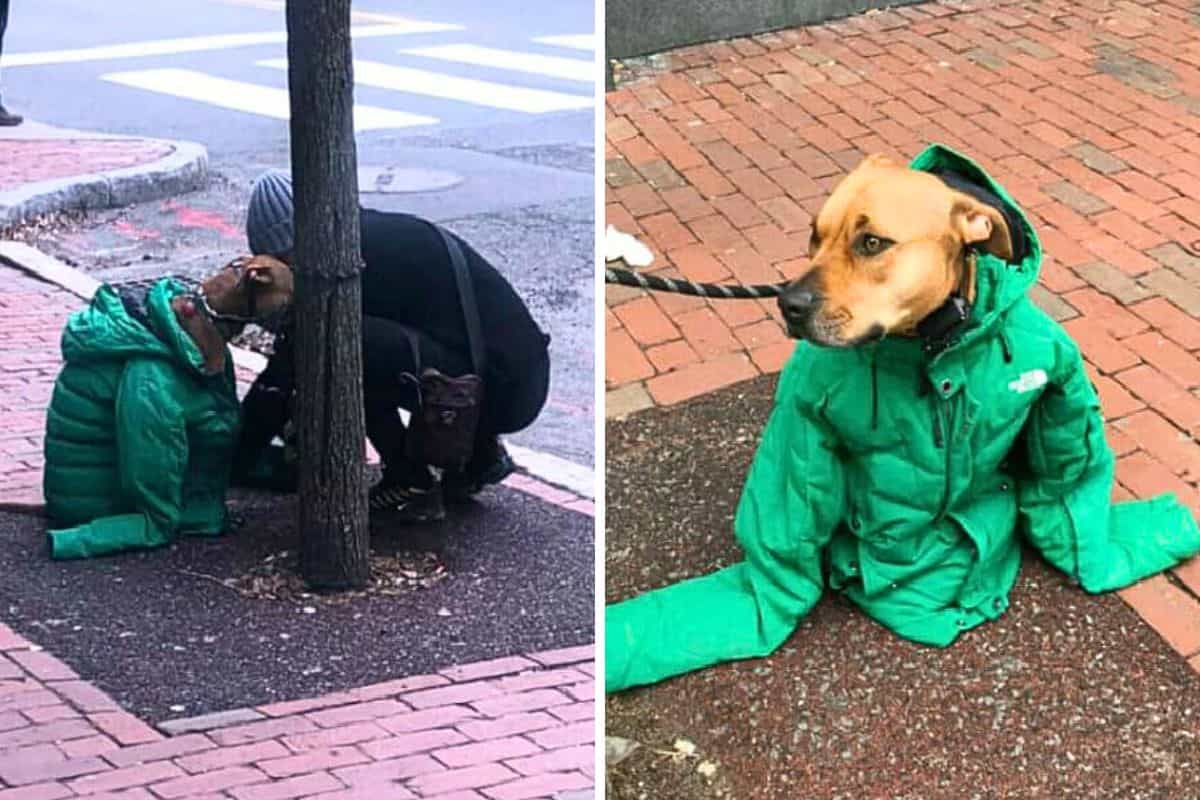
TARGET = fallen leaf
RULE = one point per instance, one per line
(617, 749)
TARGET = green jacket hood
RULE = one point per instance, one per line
(998, 285)
(106, 330)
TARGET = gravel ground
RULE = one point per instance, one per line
(1066, 696)
(148, 629)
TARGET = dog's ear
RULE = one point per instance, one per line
(260, 274)
(979, 223)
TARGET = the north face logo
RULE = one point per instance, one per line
(1034, 379)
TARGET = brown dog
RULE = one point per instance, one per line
(248, 289)
(887, 250)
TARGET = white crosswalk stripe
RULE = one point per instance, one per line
(571, 69)
(580, 41)
(510, 93)
(199, 44)
(448, 87)
(249, 97)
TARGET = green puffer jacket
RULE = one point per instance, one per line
(138, 439)
(903, 481)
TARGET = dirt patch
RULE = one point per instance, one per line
(1067, 695)
(168, 633)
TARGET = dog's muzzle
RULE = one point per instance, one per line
(273, 321)
(803, 307)
(797, 303)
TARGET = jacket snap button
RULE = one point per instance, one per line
(946, 387)
(855, 523)
(895, 585)
(853, 566)
(1004, 487)
(962, 623)
(997, 604)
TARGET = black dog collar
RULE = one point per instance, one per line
(942, 327)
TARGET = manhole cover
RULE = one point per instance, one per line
(396, 180)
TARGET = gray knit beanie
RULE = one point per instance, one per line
(269, 217)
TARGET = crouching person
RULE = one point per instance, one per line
(413, 318)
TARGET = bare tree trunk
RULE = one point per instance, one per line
(327, 260)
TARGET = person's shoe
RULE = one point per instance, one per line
(407, 503)
(495, 466)
(9, 119)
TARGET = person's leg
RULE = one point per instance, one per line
(517, 403)
(388, 357)
(7, 119)
(266, 412)
(508, 407)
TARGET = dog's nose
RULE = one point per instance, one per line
(797, 303)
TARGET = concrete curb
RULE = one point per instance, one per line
(183, 170)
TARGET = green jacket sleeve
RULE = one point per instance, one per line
(791, 504)
(1066, 505)
(153, 449)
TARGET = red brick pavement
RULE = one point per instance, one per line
(1089, 112)
(513, 728)
(25, 161)
(32, 314)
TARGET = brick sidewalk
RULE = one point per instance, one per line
(517, 727)
(24, 161)
(32, 314)
(1088, 112)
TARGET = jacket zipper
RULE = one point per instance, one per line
(942, 430)
(874, 393)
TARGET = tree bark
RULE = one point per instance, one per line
(327, 261)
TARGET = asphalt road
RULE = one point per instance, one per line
(488, 128)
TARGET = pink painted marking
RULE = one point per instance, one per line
(190, 217)
(133, 231)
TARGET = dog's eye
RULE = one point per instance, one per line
(871, 245)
